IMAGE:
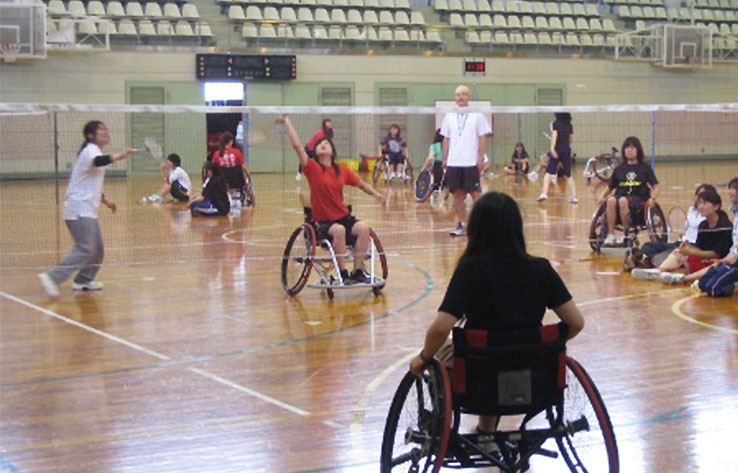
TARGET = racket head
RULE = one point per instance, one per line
(422, 185)
(677, 222)
(154, 148)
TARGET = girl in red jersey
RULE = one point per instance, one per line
(331, 216)
(230, 159)
(326, 131)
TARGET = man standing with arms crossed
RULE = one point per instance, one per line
(464, 144)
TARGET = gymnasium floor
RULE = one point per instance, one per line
(193, 359)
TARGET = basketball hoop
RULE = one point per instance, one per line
(9, 51)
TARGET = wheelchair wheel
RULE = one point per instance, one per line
(408, 171)
(379, 170)
(418, 424)
(591, 449)
(380, 254)
(423, 186)
(598, 229)
(248, 191)
(658, 228)
(604, 166)
(297, 260)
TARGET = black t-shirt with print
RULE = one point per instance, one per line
(633, 179)
(217, 193)
(718, 239)
(502, 293)
(564, 129)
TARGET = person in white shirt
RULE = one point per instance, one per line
(464, 144)
(176, 182)
(84, 195)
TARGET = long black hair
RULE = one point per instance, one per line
(399, 131)
(89, 132)
(328, 132)
(333, 155)
(523, 153)
(495, 228)
(563, 116)
(636, 143)
(225, 138)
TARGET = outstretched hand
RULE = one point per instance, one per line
(282, 119)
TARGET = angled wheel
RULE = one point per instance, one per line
(598, 229)
(604, 165)
(409, 175)
(418, 424)
(378, 171)
(589, 444)
(658, 228)
(248, 191)
(297, 260)
(380, 254)
(423, 188)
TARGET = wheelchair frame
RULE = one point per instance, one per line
(653, 217)
(434, 441)
(327, 266)
(382, 166)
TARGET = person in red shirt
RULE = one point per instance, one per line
(228, 157)
(326, 131)
(331, 216)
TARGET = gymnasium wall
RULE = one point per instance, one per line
(113, 78)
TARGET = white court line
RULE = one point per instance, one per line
(203, 373)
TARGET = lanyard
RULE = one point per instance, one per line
(461, 121)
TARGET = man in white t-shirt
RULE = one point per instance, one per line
(464, 145)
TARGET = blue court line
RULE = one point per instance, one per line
(245, 351)
(5, 465)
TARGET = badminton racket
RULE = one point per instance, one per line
(152, 148)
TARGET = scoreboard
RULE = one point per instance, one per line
(245, 67)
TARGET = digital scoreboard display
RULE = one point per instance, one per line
(475, 66)
(245, 67)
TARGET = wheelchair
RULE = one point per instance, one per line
(239, 187)
(382, 169)
(647, 219)
(516, 373)
(602, 166)
(299, 258)
(427, 187)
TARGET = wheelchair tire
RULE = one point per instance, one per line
(658, 228)
(330, 293)
(380, 254)
(593, 449)
(423, 187)
(418, 425)
(598, 229)
(379, 165)
(409, 173)
(297, 260)
(604, 165)
(248, 191)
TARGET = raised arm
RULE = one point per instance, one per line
(296, 144)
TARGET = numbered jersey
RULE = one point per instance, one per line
(231, 158)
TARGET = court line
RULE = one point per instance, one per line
(676, 308)
(7, 466)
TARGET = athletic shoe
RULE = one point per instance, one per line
(695, 287)
(646, 274)
(672, 278)
(298, 176)
(460, 230)
(345, 276)
(532, 176)
(609, 240)
(490, 446)
(359, 277)
(542, 197)
(52, 290)
(573, 200)
(155, 198)
(87, 286)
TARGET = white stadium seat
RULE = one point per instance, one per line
(146, 28)
(164, 28)
(171, 10)
(235, 12)
(76, 8)
(249, 30)
(153, 10)
(126, 27)
(95, 8)
(253, 13)
(134, 10)
(183, 28)
(190, 11)
(56, 7)
(116, 9)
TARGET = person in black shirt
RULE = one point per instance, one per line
(519, 161)
(497, 285)
(562, 137)
(634, 183)
(214, 199)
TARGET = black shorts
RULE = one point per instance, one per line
(437, 172)
(635, 204)
(396, 158)
(463, 178)
(322, 228)
(564, 159)
(179, 192)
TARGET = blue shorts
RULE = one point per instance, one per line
(396, 158)
(720, 280)
(564, 159)
(203, 207)
(179, 191)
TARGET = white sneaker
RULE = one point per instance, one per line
(609, 240)
(695, 287)
(672, 278)
(542, 197)
(155, 198)
(646, 274)
(87, 286)
(460, 230)
(573, 200)
(298, 176)
(533, 176)
(52, 290)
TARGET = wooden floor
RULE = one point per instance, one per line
(193, 359)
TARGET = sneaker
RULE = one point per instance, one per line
(345, 276)
(695, 287)
(646, 274)
(460, 230)
(87, 286)
(672, 278)
(49, 285)
(542, 197)
(532, 176)
(485, 443)
(298, 176)
(155, 198)
(609, 240)
(359, 277)
(573, 200)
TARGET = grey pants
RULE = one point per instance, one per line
(87, 254)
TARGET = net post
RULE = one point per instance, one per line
(653, 139)
(56, 157)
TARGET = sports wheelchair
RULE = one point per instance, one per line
(382, 169)
(239, 186)
(300, 258)
(602, 166)
(647, 219)
(516, 373)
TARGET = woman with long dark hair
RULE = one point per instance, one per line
(497, 285)
(519, 161)
(331, 216)
(394, 148)
(84, 195)
(562, 137)
(326, 131)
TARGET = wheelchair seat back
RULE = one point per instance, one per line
(233, 177)
(509, 372)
